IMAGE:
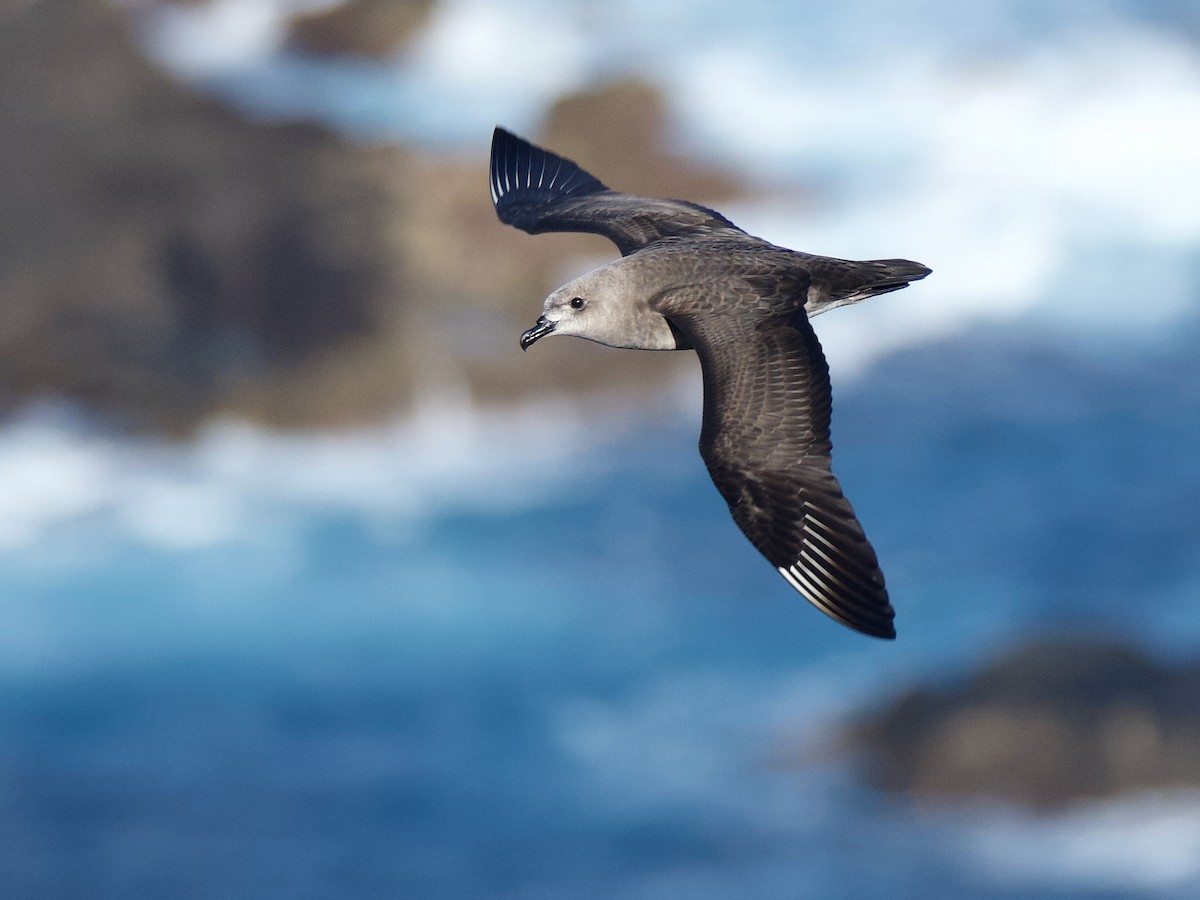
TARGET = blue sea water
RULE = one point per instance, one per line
(591, 686)
(523, 652)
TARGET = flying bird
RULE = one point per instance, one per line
(688, 278)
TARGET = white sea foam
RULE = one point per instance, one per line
(1058, 187)
(199, 40)
(234, 479)
(49, 477)
(475, 52)
(1143, 842)
(1045, 173)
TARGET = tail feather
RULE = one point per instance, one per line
(880, 276)
(894, 271)
(839, 282)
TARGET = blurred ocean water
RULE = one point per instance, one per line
(351, 665)
(521, 653)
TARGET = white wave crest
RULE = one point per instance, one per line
(1143, 842)
(201, 39)
(1058, 185)
(1043, 165)
(233, 479)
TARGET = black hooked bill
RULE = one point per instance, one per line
(543, 327)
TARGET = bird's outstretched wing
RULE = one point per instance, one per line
(536, 190)
(765, 440)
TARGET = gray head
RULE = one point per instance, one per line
(609, 305)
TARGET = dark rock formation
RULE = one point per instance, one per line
(164, 259)
(621, 132)
(158, 253)
(1050, 723)
(370, 28)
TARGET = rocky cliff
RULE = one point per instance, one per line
(164, 259)
(1047, 724)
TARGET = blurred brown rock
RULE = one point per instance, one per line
(160, 253)
(164, 259)
(370, 28)
(621, 132)
(1048, 724)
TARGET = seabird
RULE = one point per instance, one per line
(688, 278)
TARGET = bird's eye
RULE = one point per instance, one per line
(578, 303)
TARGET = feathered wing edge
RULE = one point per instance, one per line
(536, 190)
(796, 514)
(835, 567)
(525, 176)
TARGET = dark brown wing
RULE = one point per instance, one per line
(536, 191)
(765, 440)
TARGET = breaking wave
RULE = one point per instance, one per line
(1041, 164)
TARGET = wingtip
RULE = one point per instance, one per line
(888, 634)
(519, 167)
(884, 631)
(869, 618)
(503, 142)
(500, 135)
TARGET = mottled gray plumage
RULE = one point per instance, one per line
(690, 279)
